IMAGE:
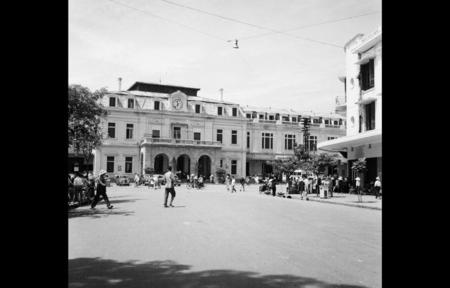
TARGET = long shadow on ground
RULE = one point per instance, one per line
(103, 273)
(99, 212)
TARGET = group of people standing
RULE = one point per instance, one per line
(84, 187)
(195, 181)
(230, 183)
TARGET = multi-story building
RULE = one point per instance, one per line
(154, 125)
(363, 104)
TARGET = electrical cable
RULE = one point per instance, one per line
(168, 20)
(250, 24)
(312, 25)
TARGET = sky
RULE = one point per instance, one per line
(159, 41)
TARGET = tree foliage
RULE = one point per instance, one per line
(84, 130)
(359, 165)
(304, 160)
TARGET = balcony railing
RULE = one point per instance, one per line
(180, 142)
(267, 121)
(290, 123)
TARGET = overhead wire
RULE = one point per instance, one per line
(250, 24)
(312, 25)
(168, 20)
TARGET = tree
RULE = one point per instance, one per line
(84, 130)
(359, 165)
(325, 160)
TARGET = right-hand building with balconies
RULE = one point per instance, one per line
(363, 88)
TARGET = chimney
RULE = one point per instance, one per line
(120, 83)
(221, 94)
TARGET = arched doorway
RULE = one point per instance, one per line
(204, 166)
(184, 165)
(161, 163)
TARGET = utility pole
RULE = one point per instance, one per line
(305, 130)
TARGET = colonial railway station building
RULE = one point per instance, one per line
(154, 126)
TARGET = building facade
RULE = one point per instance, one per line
(363, 97)
(154, 126)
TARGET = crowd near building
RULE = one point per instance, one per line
(362, 105)
(156, 126)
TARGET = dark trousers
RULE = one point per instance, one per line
(166, 195)
(377, 192)
(97, 198)
(274, 190)
(78, 193)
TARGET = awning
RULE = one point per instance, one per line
(341, 144)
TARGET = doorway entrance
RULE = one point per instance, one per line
(204, 166)
(161, 163)
(184, 165)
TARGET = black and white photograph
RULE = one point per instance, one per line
(216, 143)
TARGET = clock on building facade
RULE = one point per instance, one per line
(177, 103)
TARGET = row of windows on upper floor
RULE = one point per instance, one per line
(267, 138)
(234, 112)
(293, 119)
(157, 105)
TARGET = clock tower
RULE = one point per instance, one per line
(178, 101)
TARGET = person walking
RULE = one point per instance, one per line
(136, 180)
(301, 187)
(307, 185)
(331, 186)
(170, 187)
(101, 190)
(227, 182)
(78, 185)
(242, 185)
(200, 182)
(377, 187)
(90, 187)
(345, 185)
(70, 190)
(358, 188)
(274, 186)
(233, 184)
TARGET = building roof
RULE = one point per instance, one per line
(268, 110)
(353, 39)
(209, 100)
(162, 88)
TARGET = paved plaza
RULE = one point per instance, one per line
(212, 238)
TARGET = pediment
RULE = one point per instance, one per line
(178, 101)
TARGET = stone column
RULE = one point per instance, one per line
(97, 161)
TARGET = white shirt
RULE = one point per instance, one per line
(169, 179)
(233, 181)
(377, 183)
(358, 183)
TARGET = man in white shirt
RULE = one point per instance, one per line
(170, 188)
(358, 188)
(377, 187)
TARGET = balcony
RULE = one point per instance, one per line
(290, 123)
(267, 121)
(180, 142)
